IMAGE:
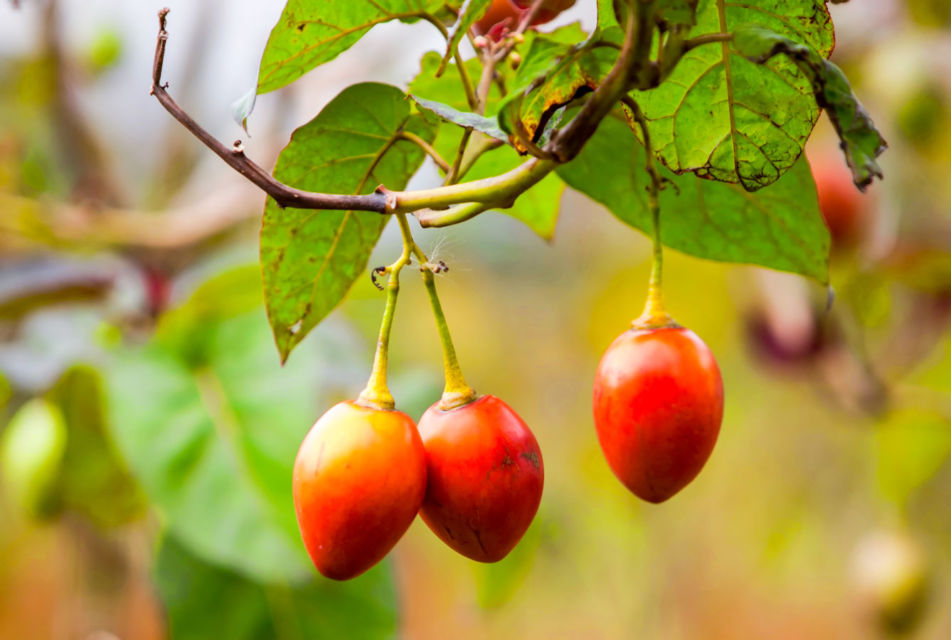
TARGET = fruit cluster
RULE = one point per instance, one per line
(474, 473)
(471, 467)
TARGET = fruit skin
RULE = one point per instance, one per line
(549, 11)
(843, 206)
(658, 403)
(500, 12)
(503, 14)
(485, 477)
(359, 480)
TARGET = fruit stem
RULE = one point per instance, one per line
(377, 392)
(457, 392)
(654, 312)
(654, 315)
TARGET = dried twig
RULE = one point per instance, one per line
(284, 195)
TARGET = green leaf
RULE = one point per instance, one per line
(447, 88)
(188, 329)
(606, 15)
(861, 141)
(93, 480)
(538, 207)
(728, 119)
(779, 227)
(677, 13)
(465, 119)
(471, 12)
(310, 33)
(212, 440)
(310, 259)
(193, 591)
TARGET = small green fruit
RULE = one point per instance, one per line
(31, 450)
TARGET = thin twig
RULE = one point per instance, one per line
(654, 311)
(495, 54)
(500, 190)
(460, 64)
(453, 176)
(706, 38)
(649, 166)
(426, 147)
(284, 195)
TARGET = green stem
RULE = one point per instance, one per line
(452, 176)
(498, 191)
(452, 215)
(654, 315)
(471, 97)
(481, 143)
(457, 392)
(427, 149)
(377, 393)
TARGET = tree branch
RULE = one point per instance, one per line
(284, 195)
(632, 69)
(568, 142)
(706, 38)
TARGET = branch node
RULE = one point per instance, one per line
(390, 199)
(435, 267)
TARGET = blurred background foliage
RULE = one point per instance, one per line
(147, 430)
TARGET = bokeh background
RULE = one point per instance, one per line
(825, 511)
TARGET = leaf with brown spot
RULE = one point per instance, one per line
(725, 118)
(552, 74)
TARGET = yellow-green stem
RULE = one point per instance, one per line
(452, 176)
(457, 392)
(377, 393)
(654, 313)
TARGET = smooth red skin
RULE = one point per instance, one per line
(485, 477)
(359, 480)
(511, 11)
(550, 8)
(842, 205)
(658, 403)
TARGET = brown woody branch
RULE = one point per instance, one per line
(284, 195)
(632, 70)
